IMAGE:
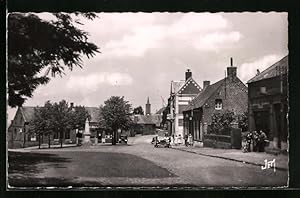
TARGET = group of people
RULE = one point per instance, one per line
(187, 140)
(258, 139)
(176, 140)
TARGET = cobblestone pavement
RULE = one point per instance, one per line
(189, 169)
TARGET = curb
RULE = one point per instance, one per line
(226, 158)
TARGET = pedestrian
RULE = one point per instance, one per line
(249, 138)
(186, 140)
(255, 141)
(176, 140)
(262, 142)
(190, 140)
(179, 139)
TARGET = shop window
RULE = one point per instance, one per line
(218, 104)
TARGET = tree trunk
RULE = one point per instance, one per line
(114, 139)
(61, 139)
(24, 139)
(39, 140)
(49, 140)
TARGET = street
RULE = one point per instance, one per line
(135, 164)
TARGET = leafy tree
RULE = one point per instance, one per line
(35, 45)
(243, 121)
(60, 118)
(78, 117)
(221, 122)
(116, 115)
(138, 111)
(41, 124)
(57, 117)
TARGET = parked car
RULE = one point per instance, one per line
(123, 139)
(108, 139)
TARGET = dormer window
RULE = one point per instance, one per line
(218, 104)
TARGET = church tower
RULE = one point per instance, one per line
(148, 108)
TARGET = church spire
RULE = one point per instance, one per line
(148, 107)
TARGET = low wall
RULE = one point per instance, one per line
(234, 140)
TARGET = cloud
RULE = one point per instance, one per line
(204, 31)
(216, 41)
(248, 70)
(91, 82)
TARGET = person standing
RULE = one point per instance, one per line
(190, 140)
(262, 141)
(186, 140)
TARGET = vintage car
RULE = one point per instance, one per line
(123, 139)
(107, 139)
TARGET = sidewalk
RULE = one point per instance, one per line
(253, 158)
(44, 146)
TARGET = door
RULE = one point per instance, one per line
(262, 121)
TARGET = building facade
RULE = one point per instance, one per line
(19, 134)
(229, 93)
(268, 106)
(148, 123)
(181, 93)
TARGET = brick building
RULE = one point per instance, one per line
(229, 93)
(181, 93)
(268, 105)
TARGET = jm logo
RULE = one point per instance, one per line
(269, 164)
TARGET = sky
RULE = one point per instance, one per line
(141, 53)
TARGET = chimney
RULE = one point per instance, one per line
(231, 71)
(188, 74)
(206, 83)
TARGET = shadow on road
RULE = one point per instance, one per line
(24, 163)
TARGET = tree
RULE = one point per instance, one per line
(138, 111)
(78, 117)
(221, 122)
(35, 45)
(61, 118)
(116, 115)
(40, 123)
(243, 121)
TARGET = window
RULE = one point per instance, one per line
(263, 90)
(180, 122)
(218, 104)
(181, 108)
(67, 134)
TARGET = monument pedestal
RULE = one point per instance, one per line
(86, 133)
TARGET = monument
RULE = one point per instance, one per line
(87, 133)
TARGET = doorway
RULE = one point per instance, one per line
(262, 121)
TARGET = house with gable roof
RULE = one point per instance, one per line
(181, 93)
(148, 123)
(229, 93)
(268, 103)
